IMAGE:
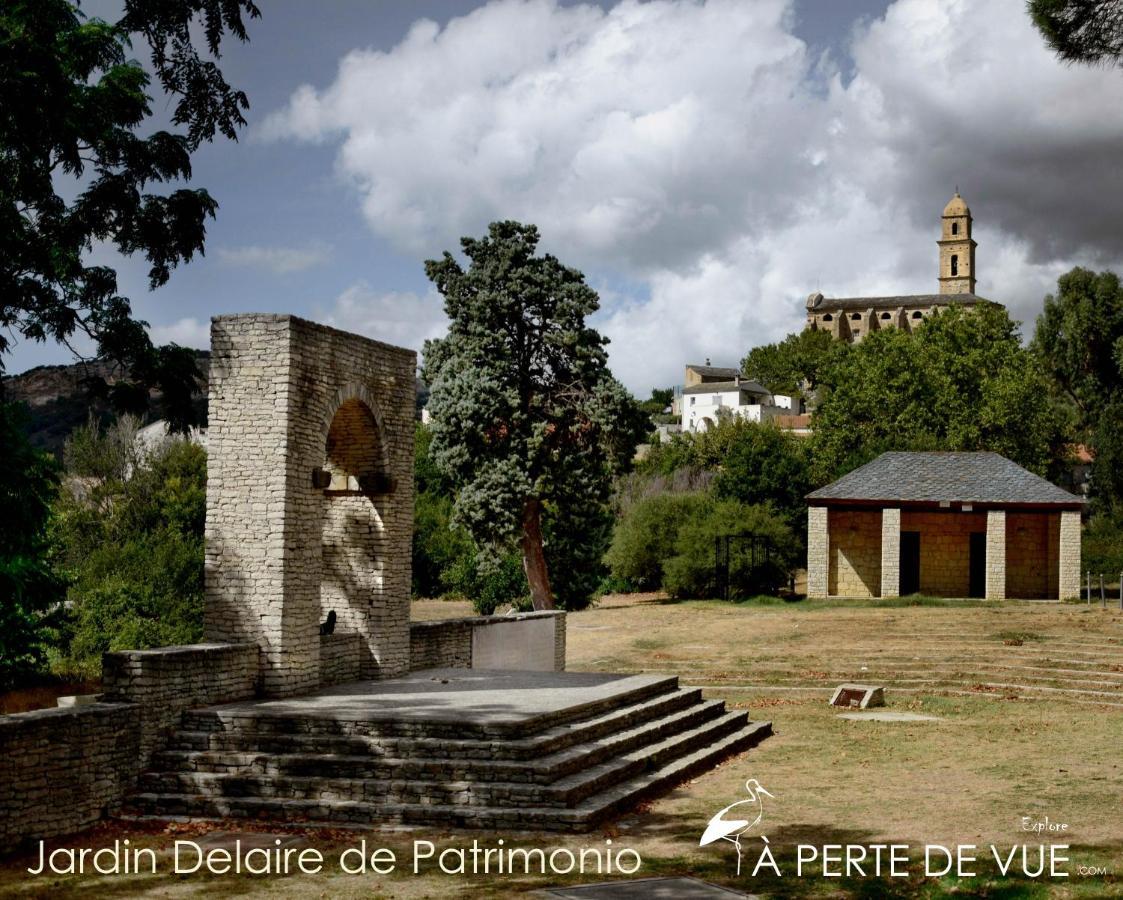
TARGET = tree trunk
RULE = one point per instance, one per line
(534, 560)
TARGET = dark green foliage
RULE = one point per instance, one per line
(525, 413)
(691, 571)
(797, 365)
(1102, 548)
(29, 587)
(766, 465)
(1086, 31)
(660, 399)
(75, 107)
(962, 381)
(1079, 339)
(646, 535)
(487, 582)
(129, 531)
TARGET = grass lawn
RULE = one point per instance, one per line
(1029, 700)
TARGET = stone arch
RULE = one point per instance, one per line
(309, 498)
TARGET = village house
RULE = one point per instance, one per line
(851, 318)
(943, 524)
(712, 393)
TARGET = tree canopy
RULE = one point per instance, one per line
(1085, 31)
(962, 381)
(526, 416)
(795, 366)
(81, 170)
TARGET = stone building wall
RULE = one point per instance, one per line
(1068, 570)
(996, 555)
(310, 494)
(165, 681)
(443, 644)
(818, 551)
(855, 553)
(1028, 555)
(945, 549)
(62, 770)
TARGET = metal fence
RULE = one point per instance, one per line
(1102, 585)
(760, 548)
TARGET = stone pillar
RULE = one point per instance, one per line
(996, 555)
(890, 553)
(818, 551)
(309, 494)
(1069, 555)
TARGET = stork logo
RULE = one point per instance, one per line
(737, 819)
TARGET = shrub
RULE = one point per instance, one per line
(646, 535)
(691, 571)
(1102, 546)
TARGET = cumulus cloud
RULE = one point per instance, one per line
(187, 332)
(396, 317)
(700, 151)
(278, 260)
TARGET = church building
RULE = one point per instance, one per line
(851, 318)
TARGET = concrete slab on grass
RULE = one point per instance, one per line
(888, 715)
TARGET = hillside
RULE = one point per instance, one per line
(58, 400)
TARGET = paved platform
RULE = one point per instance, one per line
(459, 696)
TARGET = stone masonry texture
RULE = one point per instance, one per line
(447, 643)
(817, 551)
(63, 769)
(996, 555)
(165, 681)
(290, 399)
(1069, 564)
(890, 552)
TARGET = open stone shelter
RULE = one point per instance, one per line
(943, 524)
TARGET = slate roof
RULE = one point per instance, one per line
(715, 371)
(862, 303)
(721, 387)
(983, 478)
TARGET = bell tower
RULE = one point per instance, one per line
(957, 249)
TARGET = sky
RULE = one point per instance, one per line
(706, 164)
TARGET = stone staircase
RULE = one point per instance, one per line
(565, 772)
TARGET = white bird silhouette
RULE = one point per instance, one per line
(721, 828)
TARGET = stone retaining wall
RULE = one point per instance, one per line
(165, 681)
(61, 770)
(340, 658)
(530, 641)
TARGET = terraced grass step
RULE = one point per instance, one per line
(686, 711)
(657, 776)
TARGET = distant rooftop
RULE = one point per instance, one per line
(721, 387)
(829, 303)
(708, 371)
(984, 478)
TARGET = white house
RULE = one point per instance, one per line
(703, 405)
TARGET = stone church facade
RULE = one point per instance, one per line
(851, 318)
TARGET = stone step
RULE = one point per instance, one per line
(450, 765)
(581, 817)
(531, 747)
(254, 720)
(564, 792)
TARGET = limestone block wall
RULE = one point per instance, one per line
(854, 553)
(1068, 574)
(530, 641)
(165, 681)
(890, 552)
(1028, 555)
(290, 401)
(442, 644)
(945, 549)
(340, 658)
(996, 555)
(62, 770)
(818, 551)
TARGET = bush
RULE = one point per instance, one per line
(489, 584)
(131, 538)
(691, 571)
(646, 536)
(1102, 546)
